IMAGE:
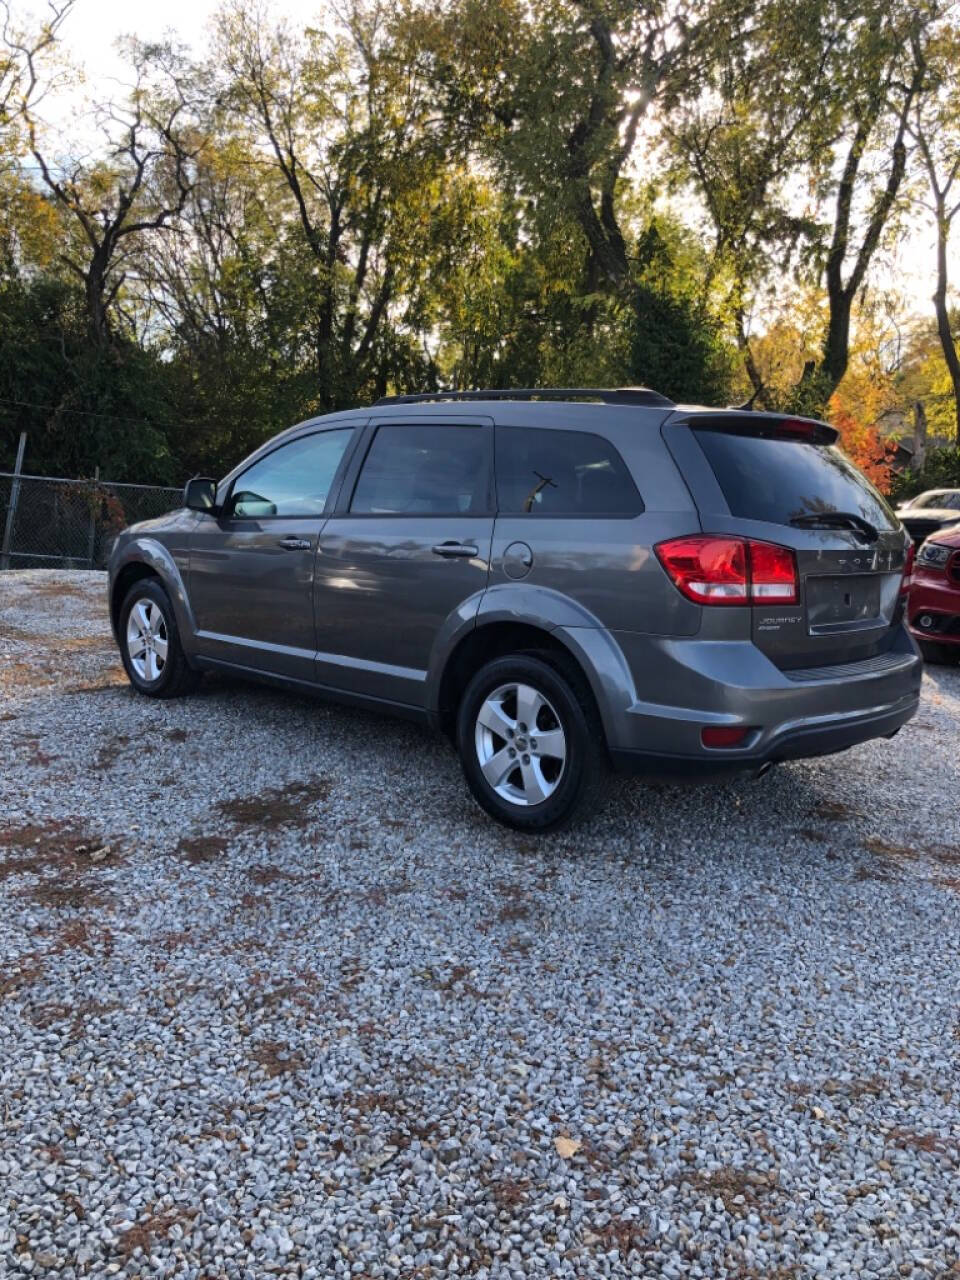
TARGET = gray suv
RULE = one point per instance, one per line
(560, 580)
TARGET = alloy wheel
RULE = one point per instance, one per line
(520, 744)
(147, 639)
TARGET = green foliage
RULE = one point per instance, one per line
(941, 470)
(82, 407)
(422, 196)
(677, 348)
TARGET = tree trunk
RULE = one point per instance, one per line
(95, 290)
(919, 435)
(943, 317)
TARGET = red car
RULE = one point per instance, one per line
(933, 606)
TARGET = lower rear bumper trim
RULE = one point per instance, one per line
(796, 743)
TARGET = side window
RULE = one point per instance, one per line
(542, 472)
(424, 470)
(294, 480)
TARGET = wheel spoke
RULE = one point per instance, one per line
(529, 703)
(493, 717)
(141, 614)
(552, 743)
(160, 649)
(498, 768)
(152, 669)
(136, 646)
(535, 786)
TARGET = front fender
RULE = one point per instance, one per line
(141, 549)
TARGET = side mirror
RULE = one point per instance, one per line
(200, 494)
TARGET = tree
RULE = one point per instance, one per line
(935, 126)
(140, 186)
(341, 119)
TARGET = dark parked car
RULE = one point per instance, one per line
(559, 580)
(934, 601)
(930, 512)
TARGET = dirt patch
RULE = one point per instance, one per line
(26, 675)
(111, 682)
(152, 1228)
(56, 590)
(264, 876)
(741, 1190)
(930, 1142)
(30, 971)
(60, 844)
(834, 811)
(200, 849)
(275, 1058)
(288, 806)
(621, 1234)
(64, 897)
(509, 1193)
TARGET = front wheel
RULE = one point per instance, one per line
(150, 643)
(531, 744)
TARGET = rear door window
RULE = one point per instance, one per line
(780, 480)
(561, 473)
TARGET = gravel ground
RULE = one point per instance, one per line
(276, 999)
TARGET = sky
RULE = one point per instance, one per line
(91, 32)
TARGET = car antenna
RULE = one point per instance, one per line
(747, 406)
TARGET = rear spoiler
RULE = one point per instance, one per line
(765, 426)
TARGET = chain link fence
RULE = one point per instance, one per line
(69, 524)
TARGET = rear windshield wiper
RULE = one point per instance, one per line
(837, 520)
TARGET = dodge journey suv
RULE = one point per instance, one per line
(560, 580)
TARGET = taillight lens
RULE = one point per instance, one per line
(713, 569)
(707, 570)
(907, 569)
(773, 573)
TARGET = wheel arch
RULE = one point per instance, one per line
(582, 649)
(147, 558)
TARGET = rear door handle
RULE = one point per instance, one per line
(456, 550)
(291, 543)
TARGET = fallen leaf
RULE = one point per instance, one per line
(567, 1147)
(818, 1114)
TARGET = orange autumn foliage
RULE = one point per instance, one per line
(864, 445)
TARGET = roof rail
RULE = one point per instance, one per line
(608, 395)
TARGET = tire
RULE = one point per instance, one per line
(937, 654)
(541, 792)
(174, 677)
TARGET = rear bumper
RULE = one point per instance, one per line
(823, 739)
(682, 686)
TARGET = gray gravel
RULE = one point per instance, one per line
(276, 999)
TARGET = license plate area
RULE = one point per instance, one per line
(845, 602)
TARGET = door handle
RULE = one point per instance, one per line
(291, 543)
(456, 550)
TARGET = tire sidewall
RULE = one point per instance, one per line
(151, 590)
(561, 807)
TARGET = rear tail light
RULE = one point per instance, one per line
(907, 569)
(713, 569)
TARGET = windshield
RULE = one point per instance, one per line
(784, 480)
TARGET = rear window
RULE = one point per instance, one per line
(778, 480)
(561, 473)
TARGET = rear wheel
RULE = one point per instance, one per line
(531, 744)
(937, 654)
(150, 643)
